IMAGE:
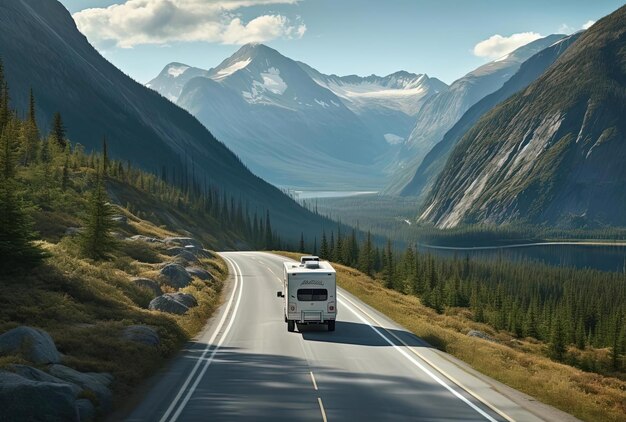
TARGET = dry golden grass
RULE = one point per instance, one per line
(519, 364)
(84, 305)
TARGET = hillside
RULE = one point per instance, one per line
(435, 160)
(96, 99)
(103, 273)
(442, 111)
(551, 154)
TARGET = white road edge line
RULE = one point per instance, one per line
(428, 361)
(319, 400)
(208, 346)
(210, 359)
(422, 367)
(313, 379)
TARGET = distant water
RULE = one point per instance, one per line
(311, 194)
(600, 257)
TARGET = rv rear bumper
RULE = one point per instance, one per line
(311, 317)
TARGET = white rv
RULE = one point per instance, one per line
(310, 293)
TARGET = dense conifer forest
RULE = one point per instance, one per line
(562, 307)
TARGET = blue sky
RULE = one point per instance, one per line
(438, 37)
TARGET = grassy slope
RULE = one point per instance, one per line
(85, 304)
(519, 364)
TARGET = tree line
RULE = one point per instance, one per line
(560, 306)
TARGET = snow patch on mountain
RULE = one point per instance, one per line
(176, 71)
(402, 91)
(393, 139)
(227, 71)
(272, 83)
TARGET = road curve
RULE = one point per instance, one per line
(246, 366)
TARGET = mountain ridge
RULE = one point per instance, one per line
(552, 153)
(434, 162)
(440, 112)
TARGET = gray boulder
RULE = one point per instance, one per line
(200, 273)
(481, 334)
(87, 382)
(175, 275)
(86, 410)
(186, 257)
(22, 399)
(199, 252)
(35, 374)
(148, 284)
(182, 241)
(103, 378)
(32, 344)
(174, 250)
(140, 238)
(173, 303)
(142, 334)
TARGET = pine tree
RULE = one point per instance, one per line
(58, 130)
(16, 248)
(96, 241)
(65, 178)
(5, 111)
(388, 266)
(30, 134)
(269, 241)
(324, 246)
(366, 256)
(301, 248)
(556, 347)
(105, 157)
(338, 257)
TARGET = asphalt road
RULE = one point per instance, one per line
(246, 366)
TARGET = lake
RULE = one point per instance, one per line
(311, 194)
(600, 257)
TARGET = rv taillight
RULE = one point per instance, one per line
(292, 307)
(331, 307)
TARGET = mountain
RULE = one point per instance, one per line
(172, 79)
(434, 162)
(387, 105)
(553, 153)
(440, 112)
(284, 126)
(43, 50)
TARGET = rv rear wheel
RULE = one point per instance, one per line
(331, 325)
(291, 326)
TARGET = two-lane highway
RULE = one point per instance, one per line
(246, 366)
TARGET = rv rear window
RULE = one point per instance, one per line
(312, 295)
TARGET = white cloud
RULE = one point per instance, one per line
(498, 46)
(159, 22)
(588, 24)
(565, 29)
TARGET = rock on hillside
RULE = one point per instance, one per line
(22, 399)
(33, 344)
(173, 303)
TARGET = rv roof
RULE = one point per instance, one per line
(296, 267)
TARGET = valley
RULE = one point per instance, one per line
(464, 182)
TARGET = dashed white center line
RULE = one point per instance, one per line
(319, 400)
(313, 379)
